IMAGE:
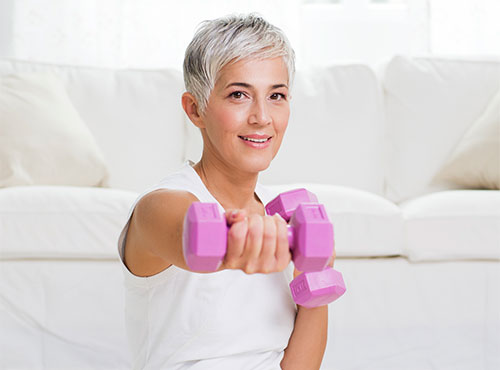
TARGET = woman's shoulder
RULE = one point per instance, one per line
(154, 240)
(167, 199)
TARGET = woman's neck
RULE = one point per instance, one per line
(231, 188)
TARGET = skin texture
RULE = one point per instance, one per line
(249, 97)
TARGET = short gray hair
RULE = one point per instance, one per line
(227, 40)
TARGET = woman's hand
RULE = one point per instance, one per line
(255, 243)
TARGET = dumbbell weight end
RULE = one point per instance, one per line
(310, 237)
(204, 237)
(313, 289)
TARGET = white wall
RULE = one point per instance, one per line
(155, 33)
(126, 33)
(6, 11)
(465, 27)
(363, 31)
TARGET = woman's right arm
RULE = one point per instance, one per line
(154, 237)
(255, 244)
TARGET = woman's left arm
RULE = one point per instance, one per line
(307, 343)
(308, 340)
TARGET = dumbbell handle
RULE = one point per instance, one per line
(310, 264)
(209, 258)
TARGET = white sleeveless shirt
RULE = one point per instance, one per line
(179, 319)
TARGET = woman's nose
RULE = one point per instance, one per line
(259, 113)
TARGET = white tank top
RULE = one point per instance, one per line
(179, 319)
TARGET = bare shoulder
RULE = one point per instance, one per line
(163, 203)
(154, 238)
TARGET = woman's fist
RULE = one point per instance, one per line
(255, 243)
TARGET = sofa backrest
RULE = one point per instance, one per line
(135, 116)
(387, 135)
(430, 103)
(334, 135)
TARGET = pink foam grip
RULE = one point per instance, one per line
(204, 237)
(313, 289)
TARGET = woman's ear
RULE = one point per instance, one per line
(190, 106)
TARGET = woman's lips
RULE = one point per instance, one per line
(256, 145)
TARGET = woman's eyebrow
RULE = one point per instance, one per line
(248, 86)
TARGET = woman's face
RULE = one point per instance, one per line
(249, 102)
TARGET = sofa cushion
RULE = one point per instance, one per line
(453, 225)
(335, 131)
(475, 162)
(430, 104)
(135, 116)
(43, 140)
(364, 224)
(62, 222)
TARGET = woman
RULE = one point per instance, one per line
(238, 71)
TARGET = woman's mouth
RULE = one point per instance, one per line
(256, 143)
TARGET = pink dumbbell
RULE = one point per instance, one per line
(310, 236)
(316, 286)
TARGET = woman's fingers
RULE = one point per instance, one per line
(253, 244)
(257, 244)
(236, 239)
(235, 215)
(267, 259)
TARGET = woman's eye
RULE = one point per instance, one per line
(236, 95)
(278, 96)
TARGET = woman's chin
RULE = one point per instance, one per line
(255, 165)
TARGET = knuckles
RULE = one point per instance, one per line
(271, 231)
(238, 231)
(255, 225)
(248, 269)
(279, 219)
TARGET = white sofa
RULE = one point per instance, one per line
(420, 256)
